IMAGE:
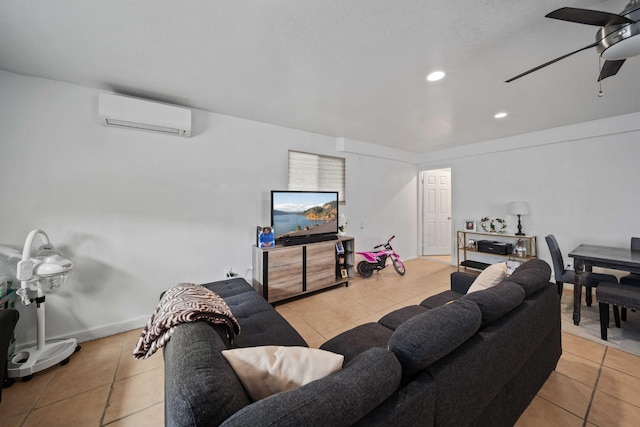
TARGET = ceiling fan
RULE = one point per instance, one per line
(615, 40)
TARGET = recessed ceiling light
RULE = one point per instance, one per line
(500, 115)
(435, 76)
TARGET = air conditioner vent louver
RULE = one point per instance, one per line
(133, 113)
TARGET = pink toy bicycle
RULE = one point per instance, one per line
(376, 261)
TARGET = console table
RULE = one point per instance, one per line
(283, 272)
(469, 257)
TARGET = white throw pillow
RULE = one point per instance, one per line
(271, 369)
(489, 277)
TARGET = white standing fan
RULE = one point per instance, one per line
(42, 271)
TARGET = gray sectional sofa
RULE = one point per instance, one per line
(456, 359)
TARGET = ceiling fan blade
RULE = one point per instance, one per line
(610, 68)
(589, 17)
(550, 62)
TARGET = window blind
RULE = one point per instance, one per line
(313, 172)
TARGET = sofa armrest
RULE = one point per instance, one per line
(200, 386)
(460, 281)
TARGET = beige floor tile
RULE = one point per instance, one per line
(606, 410)
(73, 379)
(285, 309)
(130, 340)
(620, 385)
(351, 310)
(357, 290)
(396, 295)
(316, 342)
(134, 394)
(624, 362)
(389, 309)
(129, 366)
(415, 289)
(584, 348)
(149, 417)
(22, 396)
(578, 368)
(81, 410)
(567, 393)
(376, 302)
(11, 421)
(97, 351)
(324, 320)
(302, 327)
(543, 413)
(369, 319)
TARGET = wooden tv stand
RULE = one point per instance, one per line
(284, 272)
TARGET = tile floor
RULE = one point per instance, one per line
(103, 385)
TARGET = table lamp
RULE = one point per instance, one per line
(519, 208)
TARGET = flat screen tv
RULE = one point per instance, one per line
(304, 216)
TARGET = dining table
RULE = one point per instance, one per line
(585, 257)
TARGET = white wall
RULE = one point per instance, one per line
(582, 182)
(139, 212)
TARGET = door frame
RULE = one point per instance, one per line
(422, 210)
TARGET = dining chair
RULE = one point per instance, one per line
(632, 278)
(562, 275)
(618, 295)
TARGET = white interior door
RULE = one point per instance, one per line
(436, 210)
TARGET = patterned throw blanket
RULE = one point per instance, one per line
(185, 302)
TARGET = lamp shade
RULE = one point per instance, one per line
(519, 208)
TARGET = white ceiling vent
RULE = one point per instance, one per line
(126, 112)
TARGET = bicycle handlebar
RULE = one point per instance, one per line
(382, 245)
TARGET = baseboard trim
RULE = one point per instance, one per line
(99, 332)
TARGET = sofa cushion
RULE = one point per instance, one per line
(361, 338)
(340, 399)
(489, 277)
(260, 323)
(497, 301)
(440, 299)
(401, 315)
(270, 369)
(533, 275)
(425, 338)
(461, 281)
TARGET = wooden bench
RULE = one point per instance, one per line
(619, 295)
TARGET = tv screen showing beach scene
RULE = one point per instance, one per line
(304, 213)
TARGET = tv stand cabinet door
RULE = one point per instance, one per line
(321, 265)
(284, 273)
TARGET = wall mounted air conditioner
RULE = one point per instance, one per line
(134, 113)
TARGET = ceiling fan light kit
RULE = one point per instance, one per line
(615, 41)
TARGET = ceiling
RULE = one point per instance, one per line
(353, 69)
